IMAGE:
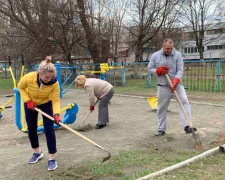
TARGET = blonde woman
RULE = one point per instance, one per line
(103, 91)
(41, 89)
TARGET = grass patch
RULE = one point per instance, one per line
(6, 84)
(136, 86)
(139, 87)
(130, 165)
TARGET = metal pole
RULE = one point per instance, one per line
(218, 75)
(149, 79)
(57, 64)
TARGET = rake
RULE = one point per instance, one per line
(198, 143)
(78, 134)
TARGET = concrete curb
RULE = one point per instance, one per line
(143, 97)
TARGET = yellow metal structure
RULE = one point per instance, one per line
(4, 106)
(104, 68)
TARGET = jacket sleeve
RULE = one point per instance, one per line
(56, 99)
(152, 65)
(180, 66)
(91, 95)
(22, 86)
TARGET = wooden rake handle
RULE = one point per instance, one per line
(86, 117)
(88, 114)
(179, 101)
(70, 129)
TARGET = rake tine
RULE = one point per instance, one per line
(107, 157)
(198, 143)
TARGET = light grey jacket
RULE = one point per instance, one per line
(174, 62)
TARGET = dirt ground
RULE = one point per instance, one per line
(132, 126)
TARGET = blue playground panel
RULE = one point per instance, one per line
(69, 117)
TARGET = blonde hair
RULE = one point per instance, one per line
(80, 80)
(47, 66)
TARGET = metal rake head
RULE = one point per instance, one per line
(198, 143)
(107, 157)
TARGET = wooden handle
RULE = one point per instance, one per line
(70, 129)
(179, 101)
(86, 117)
(88, 114)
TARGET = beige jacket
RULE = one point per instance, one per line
(96, 88)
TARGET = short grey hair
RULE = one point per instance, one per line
(169, 40)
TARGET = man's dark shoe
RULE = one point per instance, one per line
(189, 130)
(160, 133)
(100, 126)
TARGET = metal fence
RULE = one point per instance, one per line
(202, 75)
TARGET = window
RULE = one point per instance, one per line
(212, 47)
(190, 50)
(188, 36)
(191, 36)
(216, 31)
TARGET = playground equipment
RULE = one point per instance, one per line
(5, 106)
(69, 117)
(105, 68)
(62, 71)
(66, 77)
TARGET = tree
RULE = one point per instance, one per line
(149, 17)
(119, 11)
(51, 27)
(198, 16)
(101, 21)
(92, 35)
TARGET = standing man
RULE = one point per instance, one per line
(169, 61)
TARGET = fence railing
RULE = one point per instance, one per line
(201, 75)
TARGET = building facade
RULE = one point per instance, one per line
(214, 43)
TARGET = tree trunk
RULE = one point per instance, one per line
(90, 36)
(105, 50)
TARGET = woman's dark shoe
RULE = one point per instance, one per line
(100, 126)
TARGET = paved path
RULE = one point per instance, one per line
(132, 126)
